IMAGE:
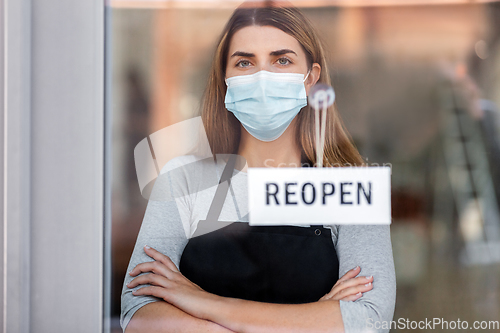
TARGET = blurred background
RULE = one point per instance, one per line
(418, 86)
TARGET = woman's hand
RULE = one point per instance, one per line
(349, 287)
(167, 283)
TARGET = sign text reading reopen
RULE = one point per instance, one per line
(305, 196)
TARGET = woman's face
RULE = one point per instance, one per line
(256, 48)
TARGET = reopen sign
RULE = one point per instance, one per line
(305, 196)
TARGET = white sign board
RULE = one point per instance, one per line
(305, 196)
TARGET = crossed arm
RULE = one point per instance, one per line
(188, 308)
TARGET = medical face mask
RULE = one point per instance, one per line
(265, 102)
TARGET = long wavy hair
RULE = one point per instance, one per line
(224, 130)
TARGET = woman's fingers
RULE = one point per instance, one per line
(149, 266)
(352, 273)
(151, 291)
(150, 278)
(154, 267)
(157, 272)
(160, 257)
(350, 287)
(162, 264)
(352, 297)
(181, 293)
(349, 275)
(346, 292)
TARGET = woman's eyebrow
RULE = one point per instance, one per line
(242, 54)
(281, 52)
(251, 55)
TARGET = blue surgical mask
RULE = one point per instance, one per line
(265, 102)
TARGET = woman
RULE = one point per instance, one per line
(259, 279)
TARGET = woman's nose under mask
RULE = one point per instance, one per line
(265, 102)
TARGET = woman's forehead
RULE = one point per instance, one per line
(263, 39)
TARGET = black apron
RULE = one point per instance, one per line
(274, 264)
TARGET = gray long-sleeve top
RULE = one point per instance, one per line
(181, 198)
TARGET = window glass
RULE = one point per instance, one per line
(418, 88)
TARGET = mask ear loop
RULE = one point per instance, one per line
(306, 76)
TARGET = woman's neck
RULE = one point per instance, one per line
(282, 152)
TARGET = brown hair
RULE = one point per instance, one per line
(222, 127)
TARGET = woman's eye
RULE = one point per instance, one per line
(284, 61)
(243, 63)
